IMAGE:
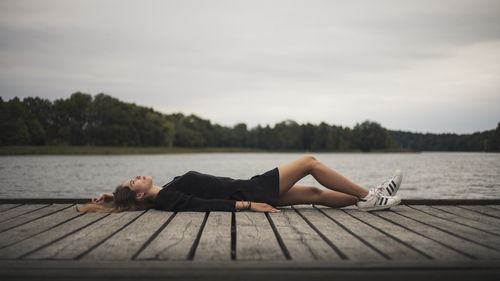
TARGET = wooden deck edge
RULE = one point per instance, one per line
(403, 201)
(254, 264)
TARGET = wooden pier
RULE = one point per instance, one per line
(419, 239)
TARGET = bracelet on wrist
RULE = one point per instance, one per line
(242, 206)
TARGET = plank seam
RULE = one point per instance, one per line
(448, 212)
(106, 238)
(27, 212)
(192, 251)
(298, 231)
(54, 226)
(432, 239)
(463, 224)
(479, 212)
(327, 241)
(278, 237)
(152, 237)
(462, 216)
(355, 235)
(392, 236)
(449, 232)
(490, 207)
(60, 238)
(34, 219)
(233, 236)
(11, 208)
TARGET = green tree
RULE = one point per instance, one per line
(188, 133)
(307, 136)
(239, 135)
(15, 131)
(111, 123)
(370, 135)
(287, 135)
(319, 138)
(38, 119)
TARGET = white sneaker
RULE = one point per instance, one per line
(377, 201)
(390, 186)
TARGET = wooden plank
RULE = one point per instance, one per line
(246, 274)
(480, 237)
(215, 240)
(32, 216)
(79, 243)
(483, 210)
(255, 239)
(413, 240)
(346, 243)
(301, 241)
(497, 207)
(45, 238)
(11, 214)
(457, 219)
(187, 273)
(301, 206)
(126, 243)
(351, 207)
(175, 241)
(5, 207)
(461, 245)
(391, 248)
(469, 214)
(35, 227)
(237, 265)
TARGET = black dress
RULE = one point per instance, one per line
(195, 191)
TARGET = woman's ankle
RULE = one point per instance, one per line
(364, 194)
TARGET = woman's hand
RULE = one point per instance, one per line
(101, 198)
(263, 207)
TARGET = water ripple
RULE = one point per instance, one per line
(426, 175)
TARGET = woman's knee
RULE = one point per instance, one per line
(309, 158)
(310, 161)
(315, 193)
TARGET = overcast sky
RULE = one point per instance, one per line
(420, 66)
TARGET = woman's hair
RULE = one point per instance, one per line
(123, 200)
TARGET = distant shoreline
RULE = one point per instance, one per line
(117, 150)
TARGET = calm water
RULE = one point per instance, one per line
(426, 175)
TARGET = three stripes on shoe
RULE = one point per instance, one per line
(382, 201)
(391, 187)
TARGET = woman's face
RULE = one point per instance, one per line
(139, 184)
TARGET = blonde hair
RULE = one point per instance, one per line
(123, 200)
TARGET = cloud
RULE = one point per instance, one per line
(405, 64)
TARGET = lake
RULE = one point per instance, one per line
(427, 175)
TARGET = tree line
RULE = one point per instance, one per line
(103, 120)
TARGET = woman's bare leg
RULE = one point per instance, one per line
(300, 194)
(293, 171)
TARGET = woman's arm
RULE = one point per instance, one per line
(102, 197)
(259, 207)
(173, 200)
(242, 205)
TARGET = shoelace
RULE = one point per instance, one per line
(379, 192)
(383, 185)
